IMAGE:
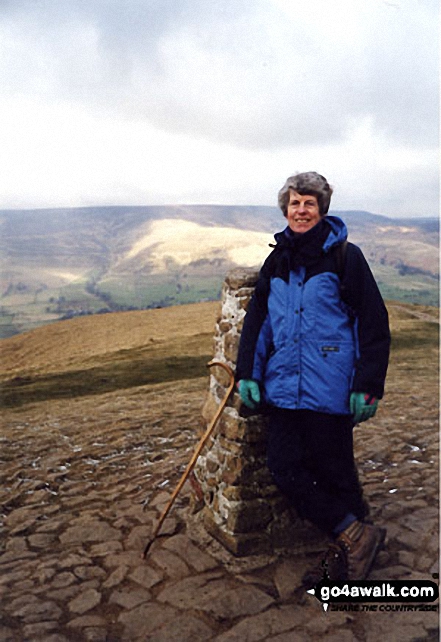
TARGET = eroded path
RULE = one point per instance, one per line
(83, 480)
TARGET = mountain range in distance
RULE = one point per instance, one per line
(60, 263)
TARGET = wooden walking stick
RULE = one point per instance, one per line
(196, 453)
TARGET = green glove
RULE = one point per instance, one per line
(249, 393)
(363, 406)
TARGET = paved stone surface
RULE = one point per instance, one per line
(83, 482)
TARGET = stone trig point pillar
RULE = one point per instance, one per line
(242, 508)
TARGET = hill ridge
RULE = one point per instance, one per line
(64, 262)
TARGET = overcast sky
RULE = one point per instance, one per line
(142, 102)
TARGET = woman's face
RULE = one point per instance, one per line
(302, 212)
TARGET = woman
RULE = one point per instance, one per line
(314, 349)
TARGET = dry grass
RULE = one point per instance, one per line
(121, 351)
(81, 342)
(95, 355)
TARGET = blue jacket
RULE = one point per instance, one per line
(309, 339)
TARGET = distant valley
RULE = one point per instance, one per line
(63, 263)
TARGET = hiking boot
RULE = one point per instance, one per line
(360, 543)
(330, 566)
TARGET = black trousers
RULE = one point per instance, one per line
(310, 456)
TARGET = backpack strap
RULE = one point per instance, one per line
(340, 257)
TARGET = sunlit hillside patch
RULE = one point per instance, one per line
(186, 242)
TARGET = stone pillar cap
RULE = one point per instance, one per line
(242, 277)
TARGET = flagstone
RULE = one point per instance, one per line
(184, 628)
(116, 577)
(87, 620)
(258, 627)
(129, 598)
(90, 532)
(38, 611)
(35, 631)
(85, 601)
(146, 576)
(172, 565)
(141, 621)
(190, 553)
(219, 597)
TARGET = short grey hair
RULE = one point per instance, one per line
(307, 183)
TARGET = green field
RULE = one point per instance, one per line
(161, 290)
(408, 288)
(24, 310)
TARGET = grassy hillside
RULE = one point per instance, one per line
(99, 354)
(93, 355)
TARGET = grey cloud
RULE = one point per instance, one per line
(47, 38)
(216, 70)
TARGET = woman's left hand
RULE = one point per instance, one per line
(363, 406)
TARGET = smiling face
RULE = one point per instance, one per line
(302, 212)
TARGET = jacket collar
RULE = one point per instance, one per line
(329, 231)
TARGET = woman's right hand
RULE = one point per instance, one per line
(249, 393)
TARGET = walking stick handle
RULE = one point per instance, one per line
(191, 464)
